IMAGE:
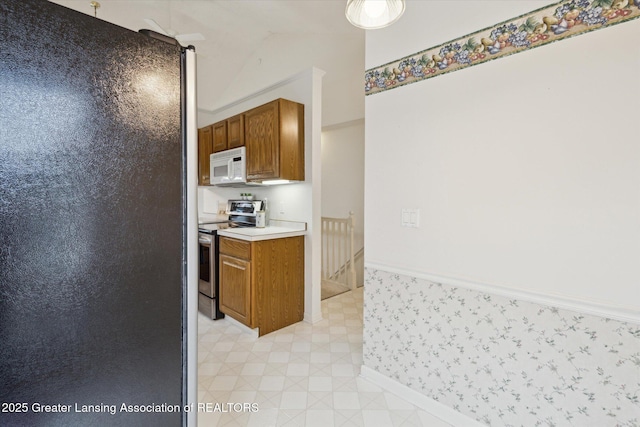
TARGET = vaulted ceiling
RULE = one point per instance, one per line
(250, 44)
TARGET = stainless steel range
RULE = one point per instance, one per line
(242, 213)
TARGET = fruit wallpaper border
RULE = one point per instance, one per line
(558, 21)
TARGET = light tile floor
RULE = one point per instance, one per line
(303, 375)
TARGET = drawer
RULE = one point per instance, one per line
(235, 248)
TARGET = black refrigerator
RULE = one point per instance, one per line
(96, 123)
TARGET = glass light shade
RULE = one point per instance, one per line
(373, 14)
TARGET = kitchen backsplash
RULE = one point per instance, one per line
(284, 202)
(501, 361)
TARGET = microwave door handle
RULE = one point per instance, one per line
(230, 169)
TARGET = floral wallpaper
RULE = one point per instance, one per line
(552, 23)
(500, 361)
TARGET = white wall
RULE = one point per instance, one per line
(343, 174)
(525, 169)
(301, 201)
(341, 56)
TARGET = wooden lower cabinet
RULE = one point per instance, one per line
(236, 298)
(262, 283)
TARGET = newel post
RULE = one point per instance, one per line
(352, 265)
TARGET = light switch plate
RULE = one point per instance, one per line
(410, 218)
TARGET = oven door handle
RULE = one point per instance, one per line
(204, 240)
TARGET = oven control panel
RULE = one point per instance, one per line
(245, 207)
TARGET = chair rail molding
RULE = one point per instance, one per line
(596, 308)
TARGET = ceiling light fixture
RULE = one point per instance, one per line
(374, 14)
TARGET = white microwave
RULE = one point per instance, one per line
(228, 167)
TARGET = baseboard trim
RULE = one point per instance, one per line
(437, 409)
(310, 319)
(581, 306)
(244, 328)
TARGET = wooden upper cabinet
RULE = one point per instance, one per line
(228, 134)
(235, 131)
(219, 136)
(205, 148)
(274, 137)
(261, 137)
(273, 134)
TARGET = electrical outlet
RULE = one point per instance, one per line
(410, 218)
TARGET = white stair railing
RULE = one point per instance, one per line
(338, 264)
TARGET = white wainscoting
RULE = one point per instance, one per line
(498, 359)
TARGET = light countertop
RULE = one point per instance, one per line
(275, 230)
(209, 218)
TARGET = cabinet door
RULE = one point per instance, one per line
(235, 131)
(291, 140)
(205, 149)
(220, 136)
(277, 269)
(235, 288)
(262, 139)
